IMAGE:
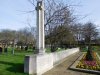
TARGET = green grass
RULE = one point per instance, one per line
(95, 49)
(13, 64)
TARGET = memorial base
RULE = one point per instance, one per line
(38, 64)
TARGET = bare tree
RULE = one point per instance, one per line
(60, 16)
(90, 32)
(25, 37)
(56, 15)
(77, 30)
(8, 38)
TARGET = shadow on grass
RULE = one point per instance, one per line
(14, 67)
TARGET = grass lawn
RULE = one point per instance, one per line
(95, 49)
(13, 64)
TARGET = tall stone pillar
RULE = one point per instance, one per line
(40, 45)
(37, 64)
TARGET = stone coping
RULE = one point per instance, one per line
(73, 66)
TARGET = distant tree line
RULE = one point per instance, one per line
(22, 38)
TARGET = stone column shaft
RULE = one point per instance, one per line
(40, 28)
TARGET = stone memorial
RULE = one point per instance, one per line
(41, 62)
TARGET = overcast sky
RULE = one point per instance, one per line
(13, 17)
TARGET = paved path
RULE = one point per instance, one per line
(62, 69)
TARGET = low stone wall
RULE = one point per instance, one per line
(58, 56)
(38, 64)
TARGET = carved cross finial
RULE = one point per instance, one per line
(39, 5)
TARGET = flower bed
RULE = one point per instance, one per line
(90, 65)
